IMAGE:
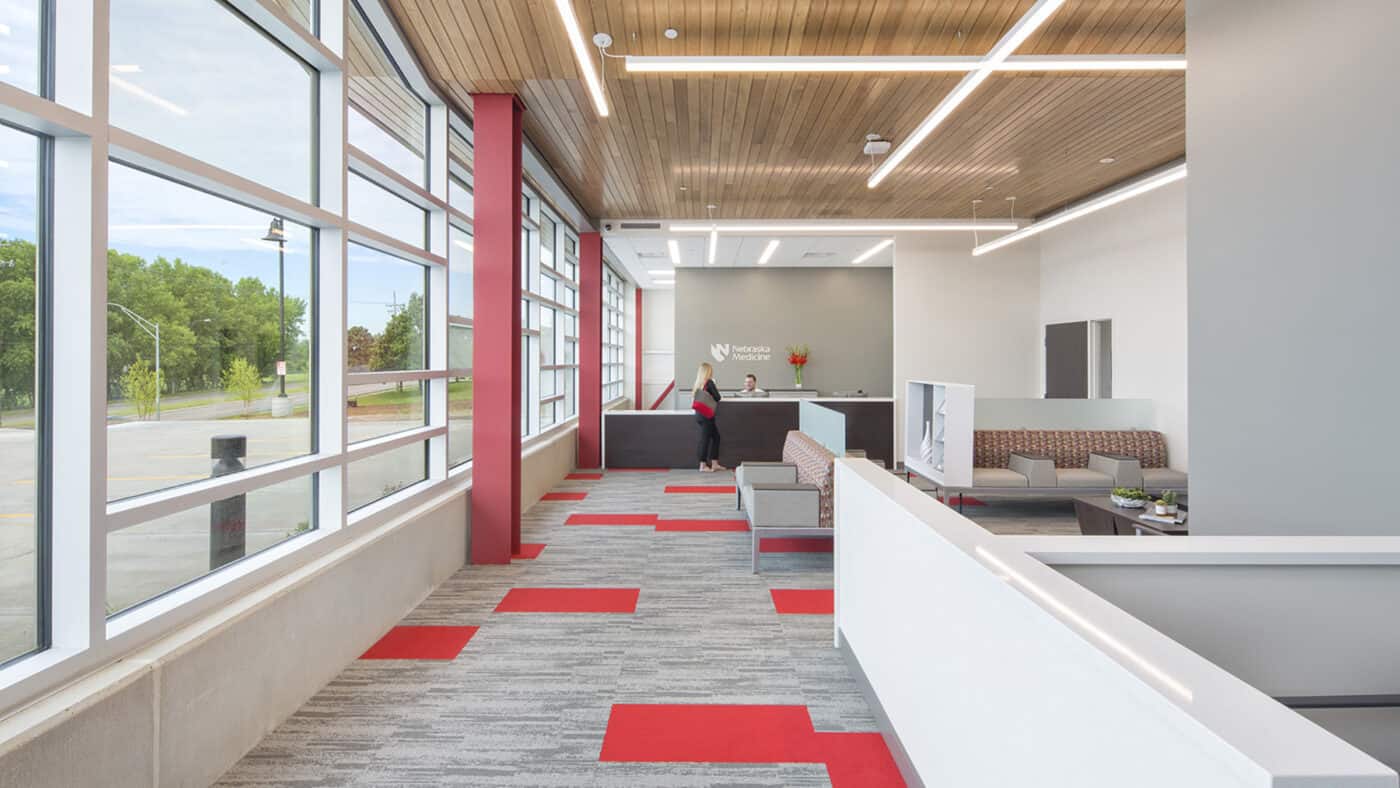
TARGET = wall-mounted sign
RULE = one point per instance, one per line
(728, 352)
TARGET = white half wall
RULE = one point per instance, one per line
(658, 342)
(1294, 265)
(965, 319)
(1128, 264)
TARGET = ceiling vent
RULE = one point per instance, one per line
(817, 255)
(652, 255)
(639, 226)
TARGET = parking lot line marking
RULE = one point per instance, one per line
(154, 478)
(16, 516)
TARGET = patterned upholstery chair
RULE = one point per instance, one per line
(791, 498)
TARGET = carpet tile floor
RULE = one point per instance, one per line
(528, 702)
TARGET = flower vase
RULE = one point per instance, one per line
(797, 375)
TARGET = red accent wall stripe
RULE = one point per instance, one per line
(590, 350)
(496, 330)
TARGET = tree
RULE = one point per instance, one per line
(17, 286)
(400, 346)
(242, 379)
(359, 345)
(139, 385)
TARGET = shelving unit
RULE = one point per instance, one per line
(938, 432)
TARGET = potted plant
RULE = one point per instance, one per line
(1129, 497)
(797, 358)
(1166, 504)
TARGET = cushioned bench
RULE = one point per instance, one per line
(792, 498)
(1066, 463)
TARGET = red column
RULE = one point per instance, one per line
(590, 350)
(637, 403)
(496, 330)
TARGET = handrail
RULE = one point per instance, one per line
(669, 388)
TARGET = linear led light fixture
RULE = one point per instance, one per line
(585, 60)
(1000, 52)
(819, 228)
(659, 272)
(872, 251)
(714, 244)
(851, 64)
(142, 93)
(675, 250)
(1126, 192)
(768, 252)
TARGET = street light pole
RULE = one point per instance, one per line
(152, 328)
(278, 235)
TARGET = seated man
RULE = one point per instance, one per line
(751, 388)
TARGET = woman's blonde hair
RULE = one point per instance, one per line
(702, 376)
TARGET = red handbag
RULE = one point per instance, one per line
(704, 404)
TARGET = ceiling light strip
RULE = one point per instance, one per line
(872, 251)
(675, 249)
(581, 54)
(714, 244)
(701, 64)
(1126, 192)
(817, 227)
(1019, 32)
(768, 252)
(782, 64)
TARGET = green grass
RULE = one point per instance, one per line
(456, 390)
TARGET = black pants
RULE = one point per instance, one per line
(709, 440)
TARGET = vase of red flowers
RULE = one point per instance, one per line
(797, 359)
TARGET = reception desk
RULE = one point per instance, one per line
(750, 430)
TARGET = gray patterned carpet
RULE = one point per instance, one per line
(527, 701)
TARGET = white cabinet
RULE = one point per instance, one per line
(938, 432)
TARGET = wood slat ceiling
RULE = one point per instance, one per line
(788, 145)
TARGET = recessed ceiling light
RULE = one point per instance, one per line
(675, 249)
(685, 188)
(1107, 160)
(671, 33)
(872, 251)
(768, 252)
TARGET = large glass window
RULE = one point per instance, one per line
(459, 347)
(387, 317)
(387, 119)
(20, 43)
(614, 333)
(147, 560)
(384, 474)
(380, 209)
(196, 76)
(20, 325)
(209, 327)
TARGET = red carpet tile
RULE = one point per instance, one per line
(584, 477)
(804, 601)
(702, 525)
(611, 519)
(784, 545)
(564, 496)
(700, 488)
(638, 470)
(745, 734)
(570, 600)
(967, 500)
(529, 550)
(421, 643)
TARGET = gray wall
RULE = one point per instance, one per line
(1293, 139)
(843, 314)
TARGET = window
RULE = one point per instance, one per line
(459, 347)
(21, 267)
(20, 43)
(209, 328)
(614, 333)
(551, 334)
(387, 315)
(195, 76)
(147, 560)
(384, 474)
(380, 209)
(387, 119)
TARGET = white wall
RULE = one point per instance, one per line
(1128, 264)
(1294, 265)
(963, 319)
(658, 342)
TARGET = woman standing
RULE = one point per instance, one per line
(705, 402)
